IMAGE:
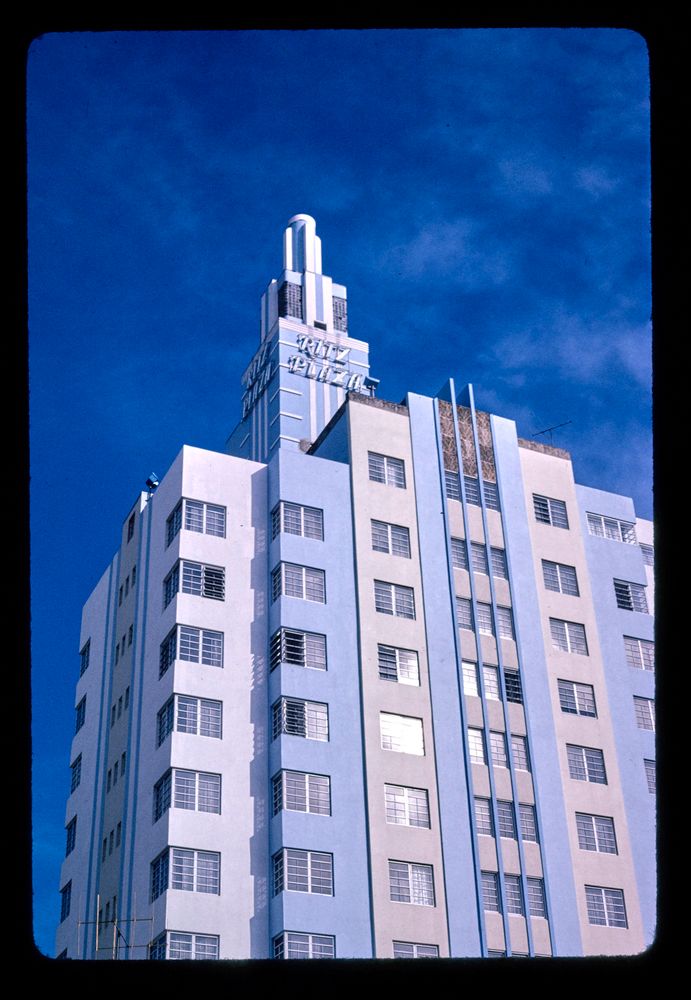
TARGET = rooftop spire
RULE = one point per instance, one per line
(302, 248)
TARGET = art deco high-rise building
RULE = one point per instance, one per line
(378, 682)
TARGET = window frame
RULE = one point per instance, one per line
(611, 528)
(400, 602)
(316, 792)
(309, 521)
(390, 539)
(560, 578)
(281, 871)
(412, 805)
(408, 738)
(413, 879)
(588, 764)
(314, 721)
(298, 648)
(571, 639)
(576, 698)
(631, 596)
(388, 664)
(596, 833)
(312, 581)
(550, 511)
(640, 656)
(608, 903)
(393, 469)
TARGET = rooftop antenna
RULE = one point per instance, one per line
(548, 430)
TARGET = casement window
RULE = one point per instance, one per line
(300, 649)
(644, 709)
(507, 819)
(295, 717)
(109, 780)
(205, 518)
(537, 906)
(127, 696)
(596, 833)
(302, 871)
(65, 901)
(80, 714)
(120, 593)
(407, 806)
(113, 715)
(499, 566)
(401, 733)
(478, 558)
(130, 635)
(394, 539)
(640, 653)
(586, 764)
(472, 493)
(294, 519)
(497, 744)
(185, 714)
(476, 746)
(408, 949)
(549, 511)
(560, 578)
(393, 599)
(399, 665)
(490, 677)
(605, 906)
(195, 645)
(464, 613)
(528, 822)
(384, 469)
(610, 527)
(104, 849)
(514, 687)
(490, 892)
(130, 528)
(514, 894)
(185, 869)
(297, 791)
(127, 585)
(569, 637)
(134, 576)
(71, 835)
(293, 944)
(459, 553)
(470, 681)
(577, 699)
(119, 706)
(650, 775)
(648, 553)
(519, 753)
(631, 596)
(197, 579)
(75, 773)
(176, 945)
(290, 300)
(483, 817)
(84, 657)
(453, 485)
(118, 834)
(411, 883)
(187, 790)
(303, 582)
(491, 495)
(485, 623)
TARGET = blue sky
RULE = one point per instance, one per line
(483, 194)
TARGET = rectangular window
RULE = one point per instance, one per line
(205, 518)
(127, 585)
(650, 776)
(80, 713)
(497, 743)
(528, 822)
(630, 596)
(537, 906)
(514, 687)
(384, 469)
(453, 485)
(190, 790)
(491, 495)
(569, 637)
(309, 719)
(84, 657)
(459, 553)
(393, 539)
(549, 511)
(499, 567)
(134, 576)
(294, 519)
(399, 665)
(505, 622)
(130, 635)
(130, 528)
(393, 599)
(407, 806)
(519, 753)
(175, 945)
(478, 554)
(507, 819)
(586, 764)
(514, 894)
(483, 817)
(303, 582)
(203, 581)
(171, 585)
(292, 944)
(303, 871)
(577, 699)
(162, 795)
(464, 613)
(472, 490)
(109, 780)
(160, 868)
(120, 592)
(118, 834)
(648, 554)
(490, 892)
(491, 680)
(401, 733)
(71, 831)
(485, 624)
(195, 871)
(193, 645)
(476, 746)
(297, 791)
(408, 949)
(560, 578)
(198, 716)
(173, 524)
(645, 713)
(75, 773)
(411, 883)
(605, 906)
(596, 833)
(470, 682)
(640, 653)
(301, 649)
(610, 527)
(65, 901)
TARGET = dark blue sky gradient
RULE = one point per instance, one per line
(483, 194)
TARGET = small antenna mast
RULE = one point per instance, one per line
(548, 430)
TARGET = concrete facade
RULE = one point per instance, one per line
(378, 683)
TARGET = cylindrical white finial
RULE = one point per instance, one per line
(301, 245)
